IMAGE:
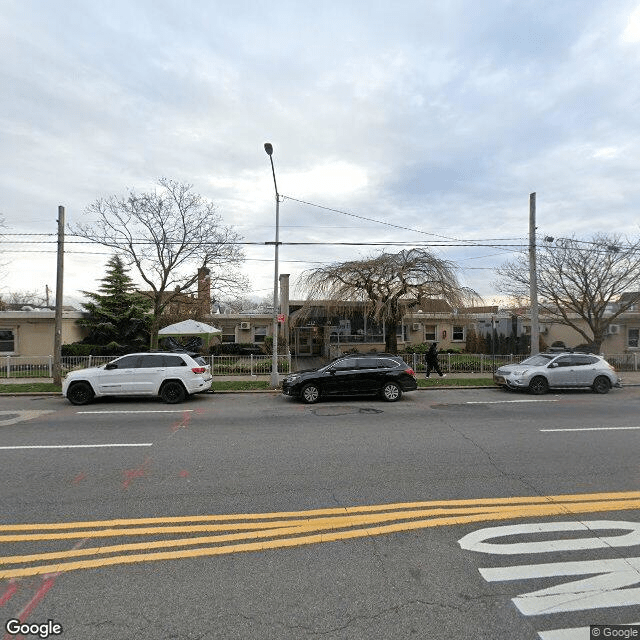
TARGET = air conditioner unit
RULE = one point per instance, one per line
(416, 326)
(544, 328)
(613, 329)
(245, 325)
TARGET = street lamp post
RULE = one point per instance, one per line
(275, 380)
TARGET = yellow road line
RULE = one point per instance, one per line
(328, 511)
(304, 532)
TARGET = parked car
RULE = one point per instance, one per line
(359, 374)
(554, 370)
(172, 376)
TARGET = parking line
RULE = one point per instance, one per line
(592, 429)
(77, 446)
(508, 401)
(138, 411)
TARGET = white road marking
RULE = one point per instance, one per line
(592, 429)
(20, 416)
(77, 446)
(508, 401)
(137, 411)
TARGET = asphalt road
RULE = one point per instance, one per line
(465, 514)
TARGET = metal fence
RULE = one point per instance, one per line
(42, 366)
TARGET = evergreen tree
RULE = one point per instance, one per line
(118, 313)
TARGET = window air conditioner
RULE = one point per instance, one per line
(416, 326)
(245, 325)
(613, 329)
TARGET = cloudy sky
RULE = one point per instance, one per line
(436, 118)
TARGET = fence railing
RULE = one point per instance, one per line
(42, 366)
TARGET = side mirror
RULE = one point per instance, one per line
(111, 365)
(553, 365)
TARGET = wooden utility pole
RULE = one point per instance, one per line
(57, 338)
(533, 277)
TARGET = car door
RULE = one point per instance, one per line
(116, 378)
(342, 377)
(561, 372)
(370, 374)
(585, 369)
(148, 374)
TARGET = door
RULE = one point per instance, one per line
(585, 370)
(561, 372)
(117, 376)
(149, 373)
(342, 377)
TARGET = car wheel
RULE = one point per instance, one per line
(538, 386)
(310, 393)
(391, 392)
(173, 392)
(601, 384)
(80, 393)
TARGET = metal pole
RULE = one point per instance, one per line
(275, 380)
(57, 336)
(533, 277)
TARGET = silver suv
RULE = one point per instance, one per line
(546, 371)
(172, 376)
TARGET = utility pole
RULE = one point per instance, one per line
(57, 338)
(533, 277)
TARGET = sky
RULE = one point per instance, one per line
(394, 124)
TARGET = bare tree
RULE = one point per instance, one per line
(578, 281)
(167, 234)
(387, 285)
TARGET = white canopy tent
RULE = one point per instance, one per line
(191, 328)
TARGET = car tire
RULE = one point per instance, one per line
(391, 392)
(310, 394)
(80, 393)
(173, 392)
(538, 386)
(601, 384)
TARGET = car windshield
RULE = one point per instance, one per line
(538, 360)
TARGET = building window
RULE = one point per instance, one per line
(260, 334)
(7, 341)
(402, 332)
(633, 338)
(429, 331)
(228, 337)
(458, 333)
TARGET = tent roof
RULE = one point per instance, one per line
(188, 328)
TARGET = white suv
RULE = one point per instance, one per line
(172, 376)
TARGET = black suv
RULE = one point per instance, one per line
(351, 375)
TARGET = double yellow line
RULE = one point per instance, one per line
(261, 531)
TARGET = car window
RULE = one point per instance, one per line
(565, 361)
(367, 363)
(537, 360)
(173, 361)
(127, 362)
(387, 363)
(585, 360)
(345, 364)
(151, 360)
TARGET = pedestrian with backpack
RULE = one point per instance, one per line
(431, 360)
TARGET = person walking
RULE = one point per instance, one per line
(431, 360)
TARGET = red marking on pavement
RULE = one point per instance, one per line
(81, 476)
(184, 474)
(8, 594)
(182, 424)
(47, 583)
(131, 474)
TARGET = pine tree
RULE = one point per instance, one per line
(117, 313)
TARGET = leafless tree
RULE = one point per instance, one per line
(387, 285)
(578, 281)
(167, 234)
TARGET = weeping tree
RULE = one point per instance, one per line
(167, 235)
(387, 286)
(578, 281)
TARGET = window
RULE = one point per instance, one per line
(429, 332)
(346, 364)
(367, 363)
(632, 339)
(458, 333)
(127, 362)
(149, 361)
(260, 334)
(228, 337)
(7, 341)
(402, 331)
(175, 361)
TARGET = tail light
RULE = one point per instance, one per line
(198, 369)
(410, 371)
